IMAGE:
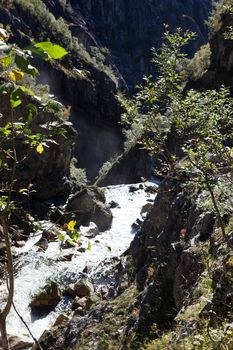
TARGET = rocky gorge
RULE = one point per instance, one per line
(147, 267)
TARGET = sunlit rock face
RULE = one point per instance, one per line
(130, 28)
(126, 29)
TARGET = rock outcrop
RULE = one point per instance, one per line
(88, 205)
(130, 167)
(47, 299)
(130, 29)
(89, 79)
(220, 69)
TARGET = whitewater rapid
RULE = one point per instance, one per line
(35, 269)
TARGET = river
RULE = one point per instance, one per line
(36, 268)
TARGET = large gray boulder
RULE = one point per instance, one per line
(47, 299)
(89, 205)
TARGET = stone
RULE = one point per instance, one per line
(113, 205)
(52, 165)
(22, 342)
(42, 244)
(133, 188)
(88, 268)
(79, 302)
(89, 231)
(146, 208)
(83, 288)
(47, 299)
(151, 189)
(129, 168)
(186, 275)
(79, 311)
(60, 319)
(104, 291)
(70, 290)
(67, 256)
(81, 249)
(93, 299)
(102, 217)
(136, 225)
(20, 244)
(89, 206)
(51, 234)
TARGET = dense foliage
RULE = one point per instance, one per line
(200, 122)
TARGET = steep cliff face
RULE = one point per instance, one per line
(109, 42)
(81, 82)
(130, 28)
(220, 69)
(49, 172)
(174, 285)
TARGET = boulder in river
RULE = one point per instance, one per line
(89, 231)
(47, 299)
(82, 288)
(89, 205)
(151, 189)
(133, 188)
(79, 302)
(113, 205)
(145, 209)
(42, 244)
(85, 303)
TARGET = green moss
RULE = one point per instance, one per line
(194, 337)
(109, 331)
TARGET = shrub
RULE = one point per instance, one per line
(194, 68)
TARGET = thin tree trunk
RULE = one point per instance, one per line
(10, 269)
(4, 339)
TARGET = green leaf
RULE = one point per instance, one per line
(52, 50)
(6, 130)
(75, 235)
(89, 246)
(61, 237)
(38, 51)
(17, 95)
(70, 242)
(32, 110)
(25, 65)
(6, 61)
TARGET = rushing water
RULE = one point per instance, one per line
(35, 268)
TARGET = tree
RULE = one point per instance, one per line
(202, 121)
(206, 120)
(15, 65)
(149, 110)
